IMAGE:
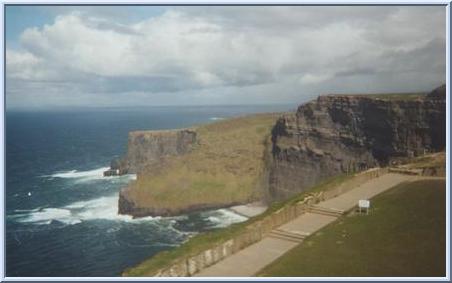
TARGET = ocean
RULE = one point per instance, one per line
(61, 213)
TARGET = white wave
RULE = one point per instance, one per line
(99, 172)
(99, 208)
(106, 208)
(223, 217)
(216, 118)
(26, 210)
(89, 175)
(46, 215)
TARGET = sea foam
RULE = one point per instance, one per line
(216, 118)
(105, 208)
(88, 175)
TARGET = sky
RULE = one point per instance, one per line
(102, 56)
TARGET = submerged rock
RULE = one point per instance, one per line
(118, 166)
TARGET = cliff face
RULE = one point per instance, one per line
(339, 134)
(147, 147)
(150, 147)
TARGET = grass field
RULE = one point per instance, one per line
(399, 96)
(391, 96)
(404, 235)
(225, 167)
(437, 160)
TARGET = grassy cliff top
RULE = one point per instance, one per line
(225, 167)
(156, 132)
(388, 96)
(436, 160)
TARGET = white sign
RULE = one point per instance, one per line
(364, 203)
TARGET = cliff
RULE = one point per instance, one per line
(337, 134)
(215, 165)
(147, 147)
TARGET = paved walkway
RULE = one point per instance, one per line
(250, 260)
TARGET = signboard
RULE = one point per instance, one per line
(364, 203)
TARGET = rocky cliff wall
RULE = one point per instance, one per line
(340, 134)
(147, 147)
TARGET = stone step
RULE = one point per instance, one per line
(415, 172)
(277, 236)
(294, 234)
(286, 235)
(325, 211)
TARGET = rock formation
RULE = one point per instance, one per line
(340, 134)
(147, 147)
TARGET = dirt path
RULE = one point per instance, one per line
(250, 260)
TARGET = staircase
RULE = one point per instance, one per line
(287, 235)
(298, 237)
(325, 211)
(406, 171)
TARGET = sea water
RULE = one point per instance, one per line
(61, 213)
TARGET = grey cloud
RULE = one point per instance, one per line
(356, 72)
(105, 25)
(229, 55)
(284, 18)
(424, 59)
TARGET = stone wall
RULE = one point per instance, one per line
(256, 231)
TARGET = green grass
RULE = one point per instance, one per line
(209, 239)
(436, 160)
(392, 96)
(399, 96)
(404, 235)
